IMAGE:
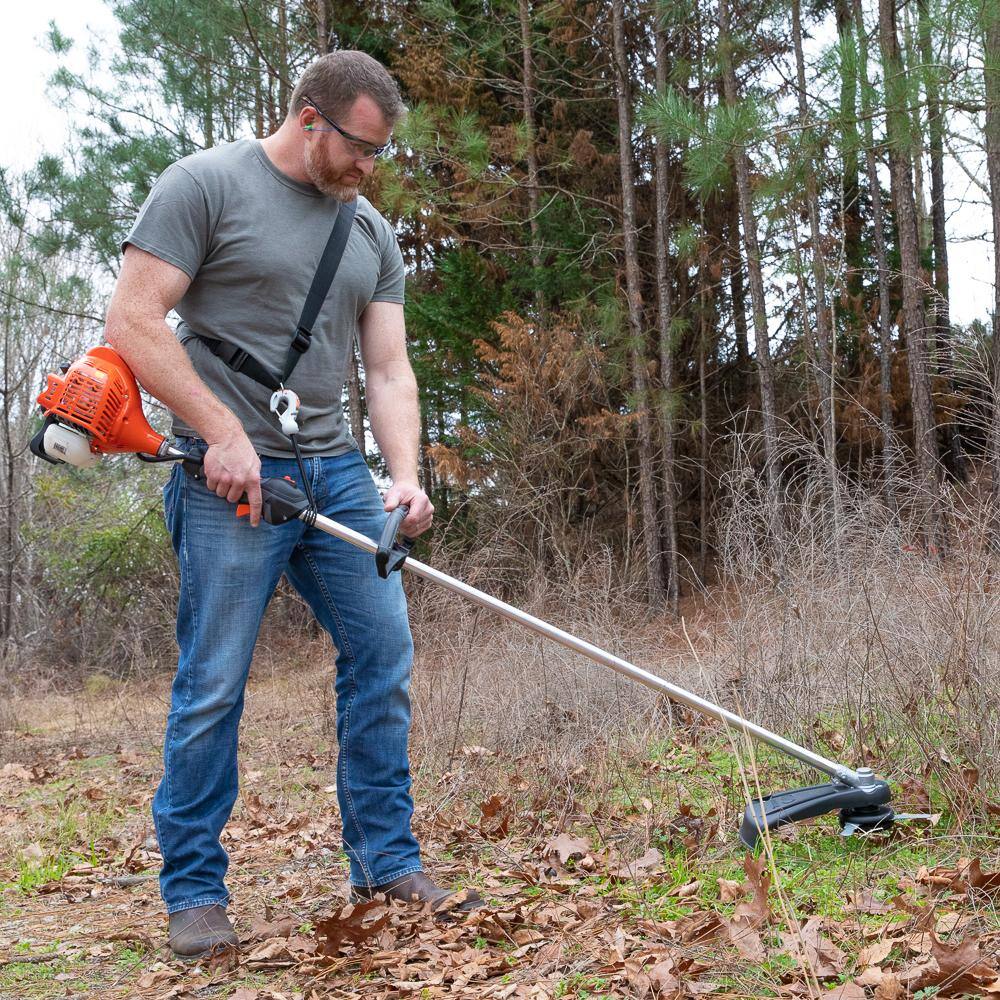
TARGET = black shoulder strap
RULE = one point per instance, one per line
(242, 361)
(322, 280)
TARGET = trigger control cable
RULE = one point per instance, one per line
(285, 406)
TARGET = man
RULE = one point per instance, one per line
(230, 239)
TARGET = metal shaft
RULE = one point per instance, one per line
(598, 655)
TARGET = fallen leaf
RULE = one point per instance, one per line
(730, 891)
(699, 928)
(497, 812)
(279, 927)
(155, 978)
(650, 863)
(547, 957)
(875, 954)
(567, 848)
(687, 890)
(984, 881)
(745, 939)
(961, 965)
(33, 852)
(274, 949)
(811, 950)
(872, 976)
(849, 991)
(347, 925)
(890, 988)
(757, 911)
(947, 923)
(865, 902)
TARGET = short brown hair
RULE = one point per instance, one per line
(335, 81)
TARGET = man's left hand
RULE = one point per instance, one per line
(421, 509)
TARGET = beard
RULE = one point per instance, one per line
(324, 177)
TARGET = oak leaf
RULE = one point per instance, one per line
(568, 848)
(849, 991)
(347, 925)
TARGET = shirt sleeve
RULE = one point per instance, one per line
(392, 274)
(174, 222)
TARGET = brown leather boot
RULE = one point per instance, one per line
(418, 888)
(197, 931)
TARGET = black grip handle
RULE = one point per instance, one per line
(281, 500)
(193, 464)
(392, 551)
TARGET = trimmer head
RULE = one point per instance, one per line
(862, 808)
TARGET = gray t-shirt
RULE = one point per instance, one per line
(250, 237)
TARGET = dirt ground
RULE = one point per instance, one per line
(616, 875)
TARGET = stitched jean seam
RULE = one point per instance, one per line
(190, 904)
(344, 754)
(188, 588)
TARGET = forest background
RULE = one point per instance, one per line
(692, 386)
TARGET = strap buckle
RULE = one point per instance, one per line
(238, 359)
(301, 340)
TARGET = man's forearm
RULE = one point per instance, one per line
(162, 366)
(394, 412)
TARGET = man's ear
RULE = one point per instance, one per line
(307, 119)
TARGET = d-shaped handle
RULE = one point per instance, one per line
(392, 551)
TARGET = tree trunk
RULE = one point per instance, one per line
(356, 404)
(528, 102)
(209, 106)
(954, 455)
(824, 328)
(426, 466)
(765, 369)
(647, 493)
(8, 506)
(991, 72)
(737, 288)
(911, 67)
(323, 41)
(283, 68)
(258, 96)
(851, 223)
(665, 305)
(704, 328)
(881, 257)
(899, 139)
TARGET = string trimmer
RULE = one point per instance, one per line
(95, 408)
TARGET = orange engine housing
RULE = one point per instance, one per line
(100, 396)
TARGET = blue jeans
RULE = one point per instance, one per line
(228, 572)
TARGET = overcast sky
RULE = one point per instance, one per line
(32, 124)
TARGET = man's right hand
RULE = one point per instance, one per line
(232, 468)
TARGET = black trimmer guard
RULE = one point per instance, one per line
(866, 809)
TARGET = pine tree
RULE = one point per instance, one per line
(955, 453)
(881, 255)
(824, 328)
(640, 386)
(664, 301)
(990, 32)
(900, 142)
(765, 369)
